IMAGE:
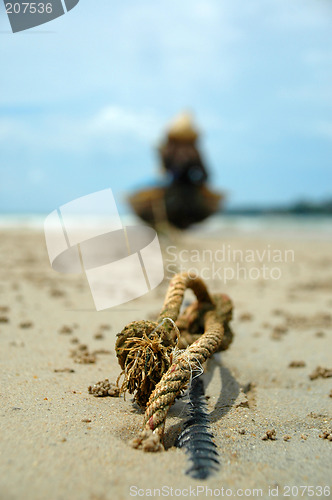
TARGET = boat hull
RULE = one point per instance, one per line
(180, 205)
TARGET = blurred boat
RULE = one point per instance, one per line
(186, 199)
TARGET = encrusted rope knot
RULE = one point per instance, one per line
(144, 351)
(158, 359)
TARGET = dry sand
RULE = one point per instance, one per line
(59, 442)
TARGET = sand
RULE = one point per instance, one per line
(60, 442)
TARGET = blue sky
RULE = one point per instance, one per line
(84, 98)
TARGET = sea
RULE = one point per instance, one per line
(315, 227)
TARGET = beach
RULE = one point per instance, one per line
(60, 442)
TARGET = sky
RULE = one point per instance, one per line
(85, 99)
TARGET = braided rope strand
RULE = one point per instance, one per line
(175, 381)
(174, 297)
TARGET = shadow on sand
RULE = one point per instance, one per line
(230, 390)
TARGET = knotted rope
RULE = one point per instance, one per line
(159, 358)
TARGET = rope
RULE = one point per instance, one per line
(154, 368)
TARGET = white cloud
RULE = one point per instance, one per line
(36, 176)
(308, 94)
(115, 121)
(109, 129)
(318, 57)
(323, 129)
(9, 128)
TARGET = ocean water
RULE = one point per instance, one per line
(36, 221)
(289, 226)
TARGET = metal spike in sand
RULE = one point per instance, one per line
(196, 438)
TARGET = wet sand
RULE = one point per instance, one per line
(60, 442)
